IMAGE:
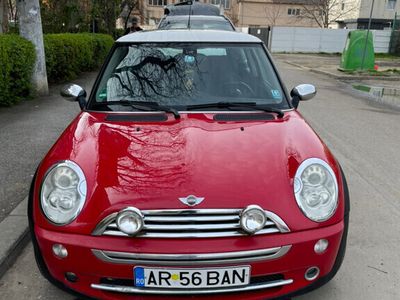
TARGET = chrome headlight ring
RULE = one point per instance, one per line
(130, 221)
(316, 189)
(63, 193)
(252, 219)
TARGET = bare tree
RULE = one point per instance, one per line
(325, 12)
(3, 16)
(12, 10)
(107, 13)
(273, 13)
(128, 6)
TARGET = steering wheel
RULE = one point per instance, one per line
(238, 89)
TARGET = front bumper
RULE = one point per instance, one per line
(271, 277)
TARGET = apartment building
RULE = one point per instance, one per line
(350, 14)
(243, 13)
(384, 12)
(264, 13)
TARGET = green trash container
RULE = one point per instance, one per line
(352, 55)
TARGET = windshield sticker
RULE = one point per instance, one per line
(212, 51)
(103, 94)
(189, 59)
(276, 94)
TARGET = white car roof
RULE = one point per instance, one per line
(197, 17)
(185, 35)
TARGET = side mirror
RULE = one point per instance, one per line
(302, 92)
(72, 93)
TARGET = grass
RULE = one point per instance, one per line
(377, 55)
(362, 88)
(388, 72)
(394, 71)
(387, 56)
(310, 53)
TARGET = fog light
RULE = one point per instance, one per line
(60, 251)
(311, 273)
(130, 220)
(321, 246)
(252, 219)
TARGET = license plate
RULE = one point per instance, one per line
(191, 278)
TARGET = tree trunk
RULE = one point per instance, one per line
(128, 17)
(12, 6)
(30, 27)
(3, 16)
(327, 15)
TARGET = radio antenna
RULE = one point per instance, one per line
(190, 12)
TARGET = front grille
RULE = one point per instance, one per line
(191, 224)
(194, 259)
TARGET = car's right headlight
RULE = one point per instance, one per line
(63, 193)
(316, 189)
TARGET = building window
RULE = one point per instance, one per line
(158, 2)
(343, 5)
(293, 12)
(225, 3)
(154, 21)
(391, 4)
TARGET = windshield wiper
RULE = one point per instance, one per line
(248, 105)
(142, 106)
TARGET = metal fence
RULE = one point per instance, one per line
(395, 43)
(315, 40)
(394, 47)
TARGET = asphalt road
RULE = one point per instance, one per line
(364, 138)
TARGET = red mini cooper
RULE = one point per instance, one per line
(189, 173)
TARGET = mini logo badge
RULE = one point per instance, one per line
(192, 200)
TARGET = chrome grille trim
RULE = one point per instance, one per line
(191, 259)
(189, 235)
(134, 290)
(169, 219)
(191, 223)
(187, 227)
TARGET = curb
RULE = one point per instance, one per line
(384, 95)
(344, 77)
(14, 236)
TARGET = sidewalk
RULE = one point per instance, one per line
(381, 89)
(327, 64)
(27, 131)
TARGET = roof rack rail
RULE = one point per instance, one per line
(192, 8)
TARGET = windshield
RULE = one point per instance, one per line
(181, 74)
(183, 23)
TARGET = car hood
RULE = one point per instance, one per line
(150, 165)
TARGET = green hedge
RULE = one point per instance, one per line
(69, 54)
(17, 57)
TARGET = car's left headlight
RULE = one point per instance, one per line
(63, 192)
(316, 189)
